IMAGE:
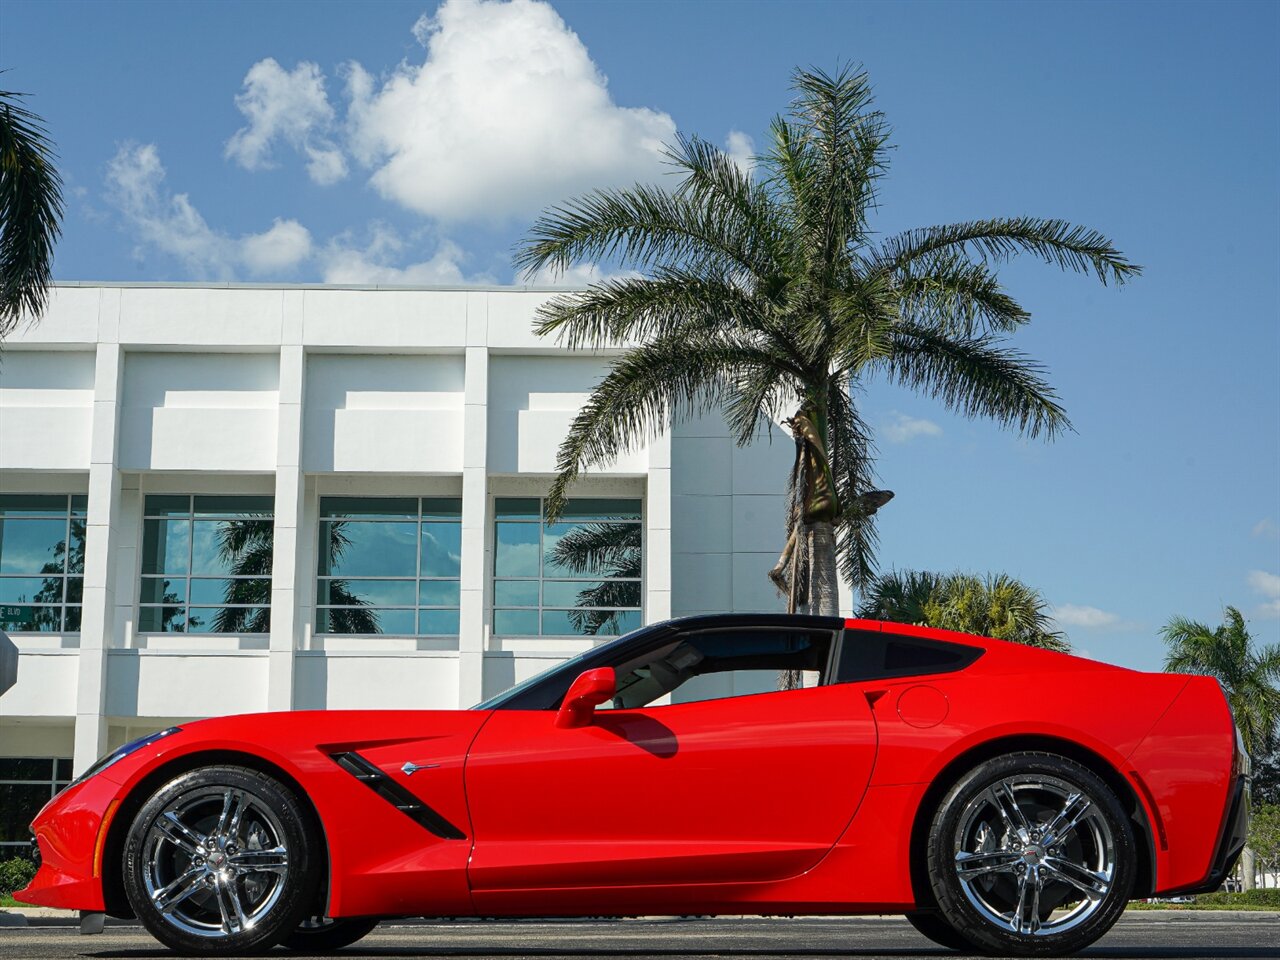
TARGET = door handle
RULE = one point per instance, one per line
(409, 769)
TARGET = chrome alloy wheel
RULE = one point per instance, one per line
(214, 861)
(1034, 854)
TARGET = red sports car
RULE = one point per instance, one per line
(1006, 799)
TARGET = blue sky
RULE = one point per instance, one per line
(357, 153)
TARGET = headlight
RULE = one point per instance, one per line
(119, 754)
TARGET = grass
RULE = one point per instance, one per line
(1139, 905)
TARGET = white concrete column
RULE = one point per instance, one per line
(657, 561)
(473, 626)
(101, 539)
(288, 586)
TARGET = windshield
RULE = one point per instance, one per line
(545, 689)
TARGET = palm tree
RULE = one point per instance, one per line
(996, 605)
(607, 550)
(768, 293)
(1248, 676)
(30, 212)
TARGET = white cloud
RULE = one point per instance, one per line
(1267, 584)
(900, 428)
(578, 275)
(168, 223)
(343, 260)
(1267, 528)
(1090, 618)
(291, 107)
(741, 149)
(506, 115)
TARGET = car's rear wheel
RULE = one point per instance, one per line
(322, 934)
(938, 930)
(220, 860)
(1030, 854)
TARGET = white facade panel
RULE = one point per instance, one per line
(303, 393)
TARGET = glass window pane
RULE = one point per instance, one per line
(374, 593)
(167, 619)
(234, 506)
(436, 623)
(515, 623)
(367, 508)
(603, 623)
(79, 504)
(32, 505)
(26, 768)
(64, 770)
(518, 508)
(353, 549)
(167, 505)
(252, 592)
(441, 508)
(350, 620)
(72, 623)
(75, 562)
(229, 620)
(75, 589)
(166, 546)
(19, 804)
(33, 546)
(516, 549)
(162, 590)
(592, 550)
(232, 546)
(599, 508)
(399, 623)
(438, 593)
(441, 549)
(515, 593)
(591, 593)
(30, 589)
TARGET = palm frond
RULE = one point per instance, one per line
(1056, 242)
(976, 377)
(30, 212)
(955, 295)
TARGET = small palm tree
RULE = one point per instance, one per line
(1248, 676)
(30, 212)
(769, 293)
(995, 605)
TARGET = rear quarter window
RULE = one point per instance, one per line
(873, 655)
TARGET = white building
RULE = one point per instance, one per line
(230, 498)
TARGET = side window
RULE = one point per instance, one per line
(715, 664)
(871, 655)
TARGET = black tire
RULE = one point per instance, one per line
(938, 930)
(221, 860)
(1031, 832)
(322, 934)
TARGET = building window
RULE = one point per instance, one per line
(41, 562)
(206, 564)
(579, 576)
(389, 565)
(26, 785)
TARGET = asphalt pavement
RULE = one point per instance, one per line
(1186, 935)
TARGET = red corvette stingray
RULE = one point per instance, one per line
(1006, 799)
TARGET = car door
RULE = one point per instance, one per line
(739, 788)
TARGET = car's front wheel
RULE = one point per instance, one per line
(1031, 854)
(221, 860)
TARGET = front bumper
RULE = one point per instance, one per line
(68, 835)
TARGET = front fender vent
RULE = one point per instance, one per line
(396, 795)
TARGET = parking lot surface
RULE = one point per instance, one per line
(1162, 934)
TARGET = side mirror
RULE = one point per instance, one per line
(590, 689)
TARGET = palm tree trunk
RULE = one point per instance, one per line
(824, 571)
(1248, 869)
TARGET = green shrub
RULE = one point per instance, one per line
(1252, 898)
(15, 874)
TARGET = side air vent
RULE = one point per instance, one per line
(396, 795)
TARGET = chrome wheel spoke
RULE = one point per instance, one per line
(275, 860)
(1007, 804)
(169, 896)
(1067, 819)
(179, 834)
(234, 803)
(1092, 885)
(971, 865)
(229, 906)
(1019, 911)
